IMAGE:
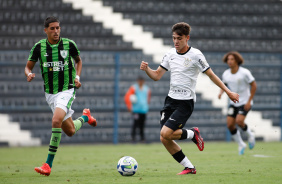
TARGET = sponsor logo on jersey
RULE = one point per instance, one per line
(46, 55)
(55, 65)
(180, 91)
(164, 58)
(202, 63)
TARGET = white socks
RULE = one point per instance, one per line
(190, 134)
(249, 132)
(186, 162)
(237, 137)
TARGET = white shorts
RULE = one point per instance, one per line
(62, 100)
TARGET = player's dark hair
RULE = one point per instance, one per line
(238, 57)
(181, 28)
(140, 77)
(49, 20)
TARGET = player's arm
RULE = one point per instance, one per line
(153, 74)
(233, 96)
(28, 70)
(127, 95)
(220, 93)
(253, 91)
(78, 67)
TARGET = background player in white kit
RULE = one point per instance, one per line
(185, 63)
(239, 80)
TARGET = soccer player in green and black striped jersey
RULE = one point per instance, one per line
(60, 66)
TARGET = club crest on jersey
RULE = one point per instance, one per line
(187, 62)
(64, 53)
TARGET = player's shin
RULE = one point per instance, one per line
(237, 136)
(54, 144)
(247, 130)
(182, 159)
(78, 123)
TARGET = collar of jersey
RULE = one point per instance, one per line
(184, 52)
(53, 44)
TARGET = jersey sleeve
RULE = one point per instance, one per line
(249, 77)
(34, 53)
(202, 63)
(164, 64)
(127, 95)
(73, 49)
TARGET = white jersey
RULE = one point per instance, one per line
(239, 82)
(184, 69)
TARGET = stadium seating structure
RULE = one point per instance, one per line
(250, 27)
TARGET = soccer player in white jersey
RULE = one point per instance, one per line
(184, 63)
(239, 80)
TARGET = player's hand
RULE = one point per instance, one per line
(143, 66)
(30, 77)
(247, 106)
(77, 83)
(234, 97)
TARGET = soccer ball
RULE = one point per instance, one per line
(133, 98)
(127, 166)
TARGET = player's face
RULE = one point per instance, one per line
(231, 61)
(180, 42)
(53, 32)
(141, 82)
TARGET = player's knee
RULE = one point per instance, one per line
(161, 139)
(56, 123)
(240, 123)
(70, 133)
(230, 126)
(165, 134)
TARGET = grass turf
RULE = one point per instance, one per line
(218, 163)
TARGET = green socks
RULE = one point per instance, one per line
(56, 138)
(85, 118)
(54, 144)
(79, 122)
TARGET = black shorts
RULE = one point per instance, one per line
(234, 111)
(175, 113)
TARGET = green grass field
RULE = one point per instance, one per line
(218, 163)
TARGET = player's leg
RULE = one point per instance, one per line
(177, 121)
(231, 125)
(235, 134)
(240, 121)
(57, 119)
(172, 120)
(70, 126)
(172, 147)
(134, 126)
(176, 152)
(141, 124)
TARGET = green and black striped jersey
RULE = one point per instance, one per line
(56, 63)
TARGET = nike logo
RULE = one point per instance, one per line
(171, 119)
(171, 58)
